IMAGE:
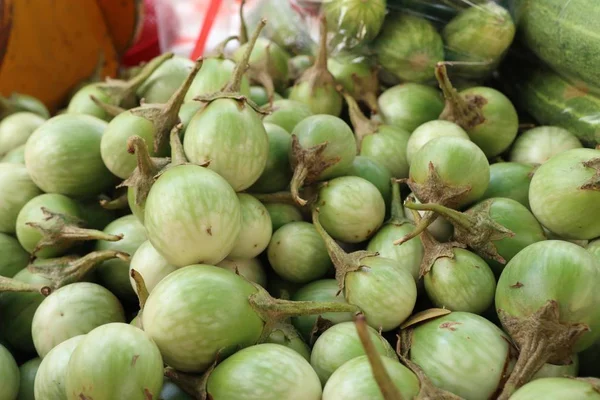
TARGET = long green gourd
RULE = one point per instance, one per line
(564, 34)
(552, 100)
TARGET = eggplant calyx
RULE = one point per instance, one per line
(541, 338)
(165, 116)
(123, 93)
(475, 228)
(594, 182)
(465, 111)
(274, 311)
(192, 384)
(308, 164)
(427, 390)
(318, 75)
(432, 248)
(344, 263)
(69, 269)
(60, 229)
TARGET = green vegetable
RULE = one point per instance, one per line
(340, 344)
(256, 228)
(264, 372)
(14, 257)
(354, 21)
(351, 209)
(297, 253)
(538, 145)
(50, 378)
(554, 284)
(9, 385)
(277, 173)
(409, 47)
(286, 113)
(165, 80)
(317, 87)
(559, 388)
(120, 354)
(564, 194)
(429, 131)
(28, 372)
(17, 190)
(409, 105)
(150, 265)
(70, 311)
(510, 180)
(63, 156)
(478, 34)
(252, 269)
(282, 214)
(16, 129)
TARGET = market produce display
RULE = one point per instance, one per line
(407, 208)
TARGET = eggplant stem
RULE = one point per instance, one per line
(12, 285)
(541, 337)
(118, 203)
(388, 389)
(274, 311)
(344, 263)
(235, 83)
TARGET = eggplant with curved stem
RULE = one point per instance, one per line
(323, 147)
(385, 144)
(409, 105)
(510, 180)
(547, 300)
(50, 224)
(385, 293)
(455, 278)
(317, 87)
(538, 145)
(567, 203)
(268, 63)
(410, 254)
(152, 122)
(92, 100)
(448, 171)
(242, 314)
(496, 228)
(229, 132)
(286, 113)
(357, 76)
(488, 116)
(148, 168)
